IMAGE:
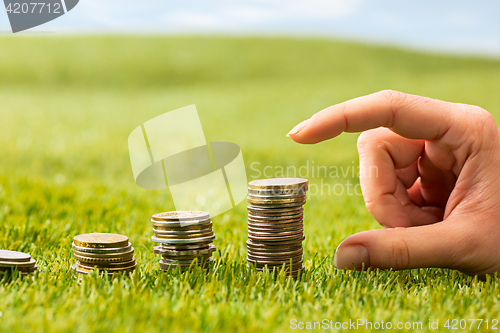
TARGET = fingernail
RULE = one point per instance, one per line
(349, 255)
(298, 128)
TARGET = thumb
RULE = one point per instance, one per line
(435, 245)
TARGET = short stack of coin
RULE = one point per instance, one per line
(108, 253)
(184, 237)
(275, 224)
(19, 261)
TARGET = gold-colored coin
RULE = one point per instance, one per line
(101, 240)
(264, 201)
(103, 261)
(182, 216)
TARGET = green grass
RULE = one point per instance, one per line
(67, 106)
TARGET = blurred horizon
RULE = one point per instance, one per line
(458, 27)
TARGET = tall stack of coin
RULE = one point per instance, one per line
(13, 260)
(108, 253)
(184, 237)
(275, 224)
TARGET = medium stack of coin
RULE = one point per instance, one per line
(19, 261)
(184, 237)
(275, 224)
(108, 253)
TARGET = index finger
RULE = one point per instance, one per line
(411, 116)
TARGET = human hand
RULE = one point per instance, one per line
(437, 192)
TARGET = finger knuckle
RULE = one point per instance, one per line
(371, 138)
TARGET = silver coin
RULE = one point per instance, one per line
(274, 183)
(279, 191)
(167, 261)
(104, 255)
(179, 224)
(182, 216)
(181, 233)
(186, 247)
(14, 256)
(273, 206)
(160, 250)
(182, 240)
(275, 201)
(102, 250)
(182, 228)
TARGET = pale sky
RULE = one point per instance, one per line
(443, 25)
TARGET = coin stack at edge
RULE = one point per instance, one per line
(275, 224)
(108, 253)
(13, 260)
(184, 237)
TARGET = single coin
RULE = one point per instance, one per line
(275, 217)
(265, 259)
(269, 254)
(82, 270)
(165, 266)
(188, 236)
(182, 233)
(276, 197)
(264, 201)
(23, 270)
(276, 233)
(14, 256)
(275, 206)
(184, 228)
(273, 247)
(104, 255)
(208, 250)
(284, 244)
(275, 221)
(191, 241)
(30, 263)
(186, 247)
(279, 191)
(177, 257)
(101, 240)
(275, 183)
(111, 268)
(102, 261)
(179, 224)
(182, 216)
(102, 250)
(122, 264)
(274, 239)
(180, 261)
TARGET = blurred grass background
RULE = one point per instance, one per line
(67, 106)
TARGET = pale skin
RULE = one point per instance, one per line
(437, 193)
